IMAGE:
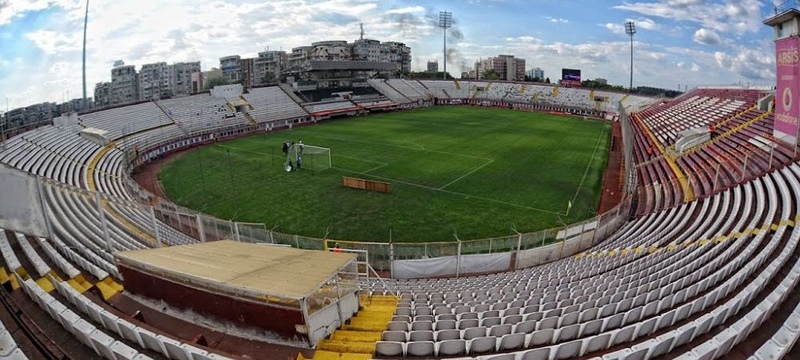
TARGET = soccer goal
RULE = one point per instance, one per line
(312, 157)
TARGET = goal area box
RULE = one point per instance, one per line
(293, 293)
(315, 158)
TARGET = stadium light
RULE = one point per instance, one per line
(84, 104)
(630, 29)
(445, 21)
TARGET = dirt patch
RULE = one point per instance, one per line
(612, 180)
(147, 175)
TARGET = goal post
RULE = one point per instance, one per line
(314, 158)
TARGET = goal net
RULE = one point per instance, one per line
(312, 157)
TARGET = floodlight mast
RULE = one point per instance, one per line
(630, 29)
(445, 22)
(85, 105)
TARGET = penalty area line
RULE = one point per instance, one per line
(449, 192)
(467, 174)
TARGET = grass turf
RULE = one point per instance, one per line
(475, 172)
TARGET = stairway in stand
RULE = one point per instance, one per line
(356, 340)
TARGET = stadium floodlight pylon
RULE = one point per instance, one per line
(315, 158)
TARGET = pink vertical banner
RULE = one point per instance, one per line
(787, 94)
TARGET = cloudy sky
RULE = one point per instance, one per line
(679, 42)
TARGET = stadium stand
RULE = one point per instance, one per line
(406, 88)
(384, 88)
(707, 278)
(272, 103)
(201, 112)
(127, 120)
(326, 108)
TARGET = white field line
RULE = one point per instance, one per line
(418, 148)
(589, 165)
(450, 192)
(382, 164)
(244, 150)
(467, 174)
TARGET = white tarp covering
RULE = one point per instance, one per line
(451, 265)
(539, 255)
(419, 268)
(97, 136)
(20, 207)
(227, 91)
(482, 263)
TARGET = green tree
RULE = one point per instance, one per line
(547, 80)
(215, 81)
(490, 74)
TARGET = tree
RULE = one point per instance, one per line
(215, 81)
(490, 74)
(547, 80)
(268, 78)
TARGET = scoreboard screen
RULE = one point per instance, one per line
(571, 77)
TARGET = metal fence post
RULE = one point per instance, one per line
(155, 226)
(200, 230)
(391, 260)
(48, 223)
(458, 258)
(103, 224)
(519, 248)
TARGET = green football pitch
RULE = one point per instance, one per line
(455, 171)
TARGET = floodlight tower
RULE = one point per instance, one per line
(630, 29)
(445, 22)
(84, 104)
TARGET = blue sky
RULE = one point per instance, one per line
(679, 42)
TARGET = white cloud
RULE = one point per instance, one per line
(640, 23)
(615, 28)
(738, 16)
(646, 24)
(407, 10)
(707, 37)
(10, 9)
(558, 20)
(748, 63)
(695, 67)
(51, 42)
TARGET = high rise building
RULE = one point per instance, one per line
(433, 66)
(154, 81)
(398, 53)
(536, 73)
(366, 50)
(299, 57)
(102, 94)
(506, 67)
(181, 80)
(268, 67)
(124, 88)
(231, 67)
(360, 50)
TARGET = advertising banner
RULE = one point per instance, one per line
(787, 108)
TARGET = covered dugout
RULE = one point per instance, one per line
(293, 293)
